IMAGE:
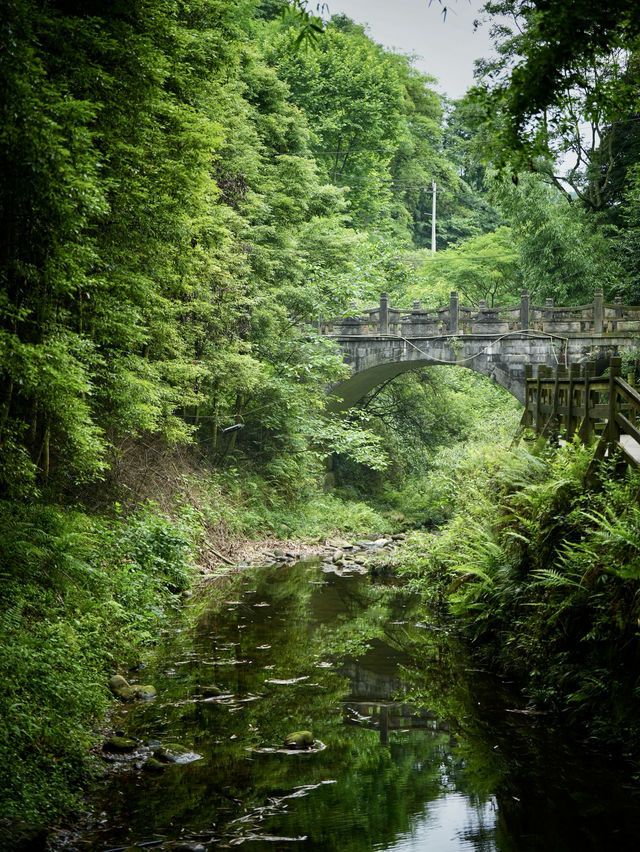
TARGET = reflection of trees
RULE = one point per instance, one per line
(548, 789)
(304, 624)
(368, 633)
(378, 797)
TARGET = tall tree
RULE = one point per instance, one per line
(557, 92)
(549, 46)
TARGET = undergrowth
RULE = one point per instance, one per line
(544, 575)
(85, 595)
(251, 507)
(80, 597)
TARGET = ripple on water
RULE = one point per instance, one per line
(367, 659)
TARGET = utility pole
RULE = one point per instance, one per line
(433, 219)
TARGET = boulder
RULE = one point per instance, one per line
(338, 543)
(120, 687)
(299, 739)
(146, 692)
(170, 752)
(121, 745)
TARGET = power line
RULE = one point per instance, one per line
(391, 183)
(333, 153)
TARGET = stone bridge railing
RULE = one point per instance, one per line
(599, 317)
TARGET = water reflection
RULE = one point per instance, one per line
(382, 690)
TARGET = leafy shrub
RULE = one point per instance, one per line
(543, 574)
(79, 597)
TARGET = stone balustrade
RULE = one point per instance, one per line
(598, 318)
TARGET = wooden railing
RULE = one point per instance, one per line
(565, 402)
(598, 317)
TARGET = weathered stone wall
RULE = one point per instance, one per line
(375, 358)
(496, 341)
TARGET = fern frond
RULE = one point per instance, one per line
(550, 578)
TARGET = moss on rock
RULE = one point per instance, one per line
(146, 692)
(120, 744)
(299, 739)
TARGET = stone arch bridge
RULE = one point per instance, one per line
(502, 343)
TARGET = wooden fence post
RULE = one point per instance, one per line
(559, 395)
(574, 373)
(539, 376)
(613, 432)
(547, 376)
(589, 373)
(527, 418)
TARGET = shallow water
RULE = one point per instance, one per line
(414, 750)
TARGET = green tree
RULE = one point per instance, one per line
(628, 240)
(556, 100)
(548, 52)
(563, 253)
(484, 267)
(112, 240)
(352, 94)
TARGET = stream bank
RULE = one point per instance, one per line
(411, 746)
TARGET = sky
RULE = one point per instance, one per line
(448, 47)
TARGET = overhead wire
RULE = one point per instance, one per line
(484, 350)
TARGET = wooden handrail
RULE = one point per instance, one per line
(605, 405)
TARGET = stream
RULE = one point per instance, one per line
(413, 748)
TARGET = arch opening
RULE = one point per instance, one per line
(348, 393)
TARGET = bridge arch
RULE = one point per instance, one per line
(365, 378)
(504, 344)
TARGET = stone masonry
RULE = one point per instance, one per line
(497, 342)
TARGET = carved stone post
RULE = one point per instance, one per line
(525, 302)
(383, 324)
(453, 313)
(598, 312)
(417, 305)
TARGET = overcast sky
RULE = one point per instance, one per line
(448, 47)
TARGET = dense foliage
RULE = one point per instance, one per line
(84, 597)
(543, 573)
(187, 187)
